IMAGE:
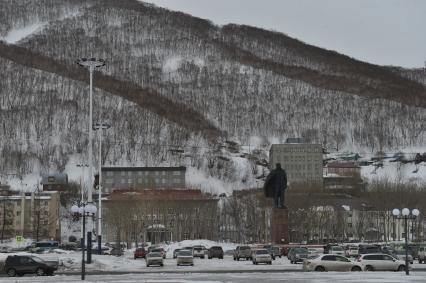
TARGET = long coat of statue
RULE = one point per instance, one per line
(275, 185)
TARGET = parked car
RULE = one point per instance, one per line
(314, 252)
(352, 252)
(369, 249)
(215, 251)
(422, 254)
(159, 250)
(139, 253)
(337, 250)
(5, 249)
(242, 252)
(154, 258)
(380, 262)
(270, 250)
(175, 252)
(23, 264)
(276, 252)
(331, 262)
(185, 257)
(116, 252)
(261, 256)
(400, 254)
(296, 255)
(198, 251)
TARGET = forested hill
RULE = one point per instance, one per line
(176, 83)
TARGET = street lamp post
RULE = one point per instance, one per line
(405, 215)
(91, 64)
(85, 210)
(99, 127)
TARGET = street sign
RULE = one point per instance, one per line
(19, 239)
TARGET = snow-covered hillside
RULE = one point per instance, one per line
(258, 87)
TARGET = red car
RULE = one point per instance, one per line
(140, 252)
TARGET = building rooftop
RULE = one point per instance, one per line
(342, 165)
(154, 194)
(123, 168)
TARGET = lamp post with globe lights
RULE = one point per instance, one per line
(405, 215)
(84, 210)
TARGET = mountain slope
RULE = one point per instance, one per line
(174, 83)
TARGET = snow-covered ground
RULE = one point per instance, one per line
(299, 277)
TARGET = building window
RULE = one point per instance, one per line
(129, 181)
(108, 181)
(176, 181)
(140, 173)
(129, 173)
(146, 173)
(123, 173)
(163, 173)
(157, 173)
(109, 173)
(163, 181)
(123, 181)
(140, 180)
(157, 181)
(176, 173)
(350, 225)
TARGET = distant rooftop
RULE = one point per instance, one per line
(118, 168)
(342, 165)
(294, 140)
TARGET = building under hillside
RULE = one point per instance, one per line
(33, 215)
(302, 161)
(156, 216)
(140, 178)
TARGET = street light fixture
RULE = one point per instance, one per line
(85, 210)
(405, 214)
(99, 127)
(91, 64)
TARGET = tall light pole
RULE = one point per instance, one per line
(99, 127)
(91, 64)
(405, 215)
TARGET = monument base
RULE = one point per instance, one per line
(279, 226)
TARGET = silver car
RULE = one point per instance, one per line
(380, 262)
(185, 257)
(331, 262)
(154, 258)
(261, 256)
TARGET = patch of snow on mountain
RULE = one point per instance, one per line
(17, 34)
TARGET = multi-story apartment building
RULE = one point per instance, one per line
(33, 215)
(303, 162)
(54, 182)
(125, 178)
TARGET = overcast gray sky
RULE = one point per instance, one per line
(385, 32)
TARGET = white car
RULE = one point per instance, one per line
(337, 250)
(261, 256)
(380, 262)
(352, 251)
(185, 257)
(331, 262)
(154, 258)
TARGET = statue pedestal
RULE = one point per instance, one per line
(279, 226)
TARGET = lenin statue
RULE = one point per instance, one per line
(275, 186)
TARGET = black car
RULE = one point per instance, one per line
(215, 251)
(23, 264)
